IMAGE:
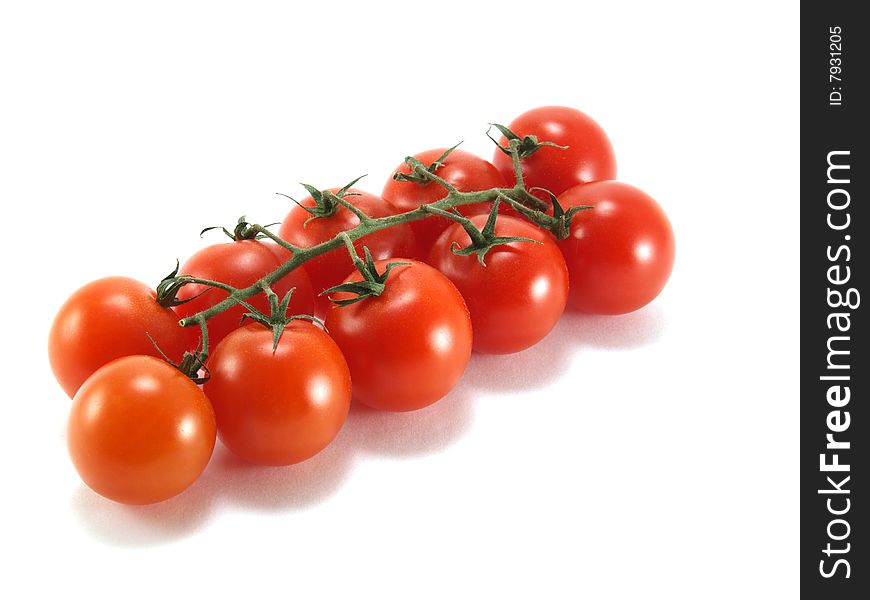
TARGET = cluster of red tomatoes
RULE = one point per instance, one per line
(141, 430)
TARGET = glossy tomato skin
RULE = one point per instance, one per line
(465, 171)
(517, 298)
(240, 264)
(140, 431)
(588, 157)
(328, 270)
(406, 348)
(278, 407)
(619, 254)
(107, 319)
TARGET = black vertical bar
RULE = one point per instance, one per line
(835, 363)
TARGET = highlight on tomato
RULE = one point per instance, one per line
(140, 431)
(406, 347)
(620, 253)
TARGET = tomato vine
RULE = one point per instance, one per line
(494, 279)
(517, 196)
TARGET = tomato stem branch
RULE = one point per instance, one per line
(363, 218)
(283, 243)
(517, 196)
(515, 158)
(208, 282)
(202, 355)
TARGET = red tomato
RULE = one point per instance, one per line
(282, 406)
(107, 319)
(140, 431)
(620, 253)
(465, 171)
(588, 157)
(516, 299)
(328, 270)
(407, 347)
(240, 264)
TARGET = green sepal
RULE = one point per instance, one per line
(419, 170)
(243, 230)
(192, 362)
(325, 202)
(373, 283)
(560, 226)
(277, 319)
(484, 240)
(168, 288)
(526, 146)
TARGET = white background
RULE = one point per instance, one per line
(653, 455)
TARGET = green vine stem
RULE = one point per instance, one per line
(482, 240)
(193, 361)
(517, 196)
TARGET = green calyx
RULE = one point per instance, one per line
(482, 240)
(242, 231)
(277, 319)
(561, 227)
(373, 283)
(421, 173)
(325, 201)
(559, 224)
(192, 362)
(526, 146)
(168, 288)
